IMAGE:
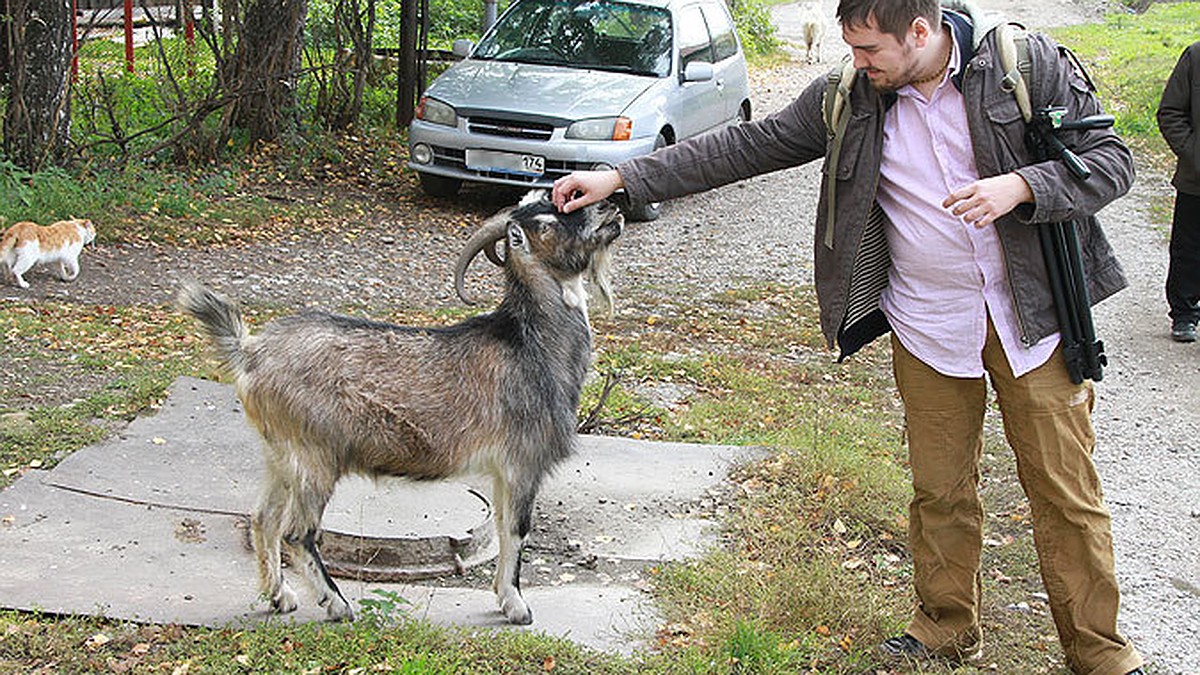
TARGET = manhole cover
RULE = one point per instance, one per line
(395, 530)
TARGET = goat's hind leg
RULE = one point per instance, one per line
(308, 558)
(265, 526)
(310, 492)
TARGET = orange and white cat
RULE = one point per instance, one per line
(27, 244)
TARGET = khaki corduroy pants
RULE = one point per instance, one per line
(1047, 421)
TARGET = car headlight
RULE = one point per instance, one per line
(421, 154)
(434, 111)
(602, 129)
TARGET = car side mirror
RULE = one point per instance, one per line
(462, 48)
(698, 71)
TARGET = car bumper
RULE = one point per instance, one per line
(448, 149)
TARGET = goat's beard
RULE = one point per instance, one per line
(598, 276)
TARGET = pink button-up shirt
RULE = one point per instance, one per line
(947, 276)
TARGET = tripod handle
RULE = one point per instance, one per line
(1075, 164)
(1089, 122)
(1057, 148)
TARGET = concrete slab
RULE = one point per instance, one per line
(150, 526)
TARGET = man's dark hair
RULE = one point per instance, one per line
(891, 16)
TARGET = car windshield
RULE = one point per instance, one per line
(590, 34)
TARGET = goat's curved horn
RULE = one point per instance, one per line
(484, 239)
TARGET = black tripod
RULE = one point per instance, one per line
(1060, 247)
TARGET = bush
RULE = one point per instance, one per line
(757, 33)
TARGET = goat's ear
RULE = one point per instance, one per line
(516, 237)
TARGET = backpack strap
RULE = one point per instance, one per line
(1013, 43)
(837, 94)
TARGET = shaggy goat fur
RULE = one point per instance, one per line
(498, 393)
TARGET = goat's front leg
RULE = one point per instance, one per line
(513, 496)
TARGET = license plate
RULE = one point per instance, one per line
(506, 162)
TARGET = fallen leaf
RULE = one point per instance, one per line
(549, 664)
(97, 641)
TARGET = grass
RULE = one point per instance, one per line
(812, 569)
(1130, 57)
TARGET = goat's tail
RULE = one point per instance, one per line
(222, 322)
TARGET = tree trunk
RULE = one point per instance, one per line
(37, 119)
(266, 66)
(406, 84)
(5, 29)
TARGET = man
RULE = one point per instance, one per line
(930, 235)
(1179, 122)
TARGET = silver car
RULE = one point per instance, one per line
(562, 85)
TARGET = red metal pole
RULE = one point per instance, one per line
(74, 41)
(189, 38)
(129, 35)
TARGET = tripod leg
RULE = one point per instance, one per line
(1060, 288)
(1093, 349)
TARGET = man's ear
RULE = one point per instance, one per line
(921, 31)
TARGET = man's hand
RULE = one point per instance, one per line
(578, 189)
(985, 200)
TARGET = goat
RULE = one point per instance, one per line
(812, 29)
(497, 393)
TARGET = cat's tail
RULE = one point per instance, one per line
(222, 322)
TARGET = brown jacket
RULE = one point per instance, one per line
(1179, 119)
(851, 274)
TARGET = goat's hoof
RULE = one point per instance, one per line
(339, 610)
(516, 611)
(285, 601)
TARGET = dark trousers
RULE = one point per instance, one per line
(1183, 274)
